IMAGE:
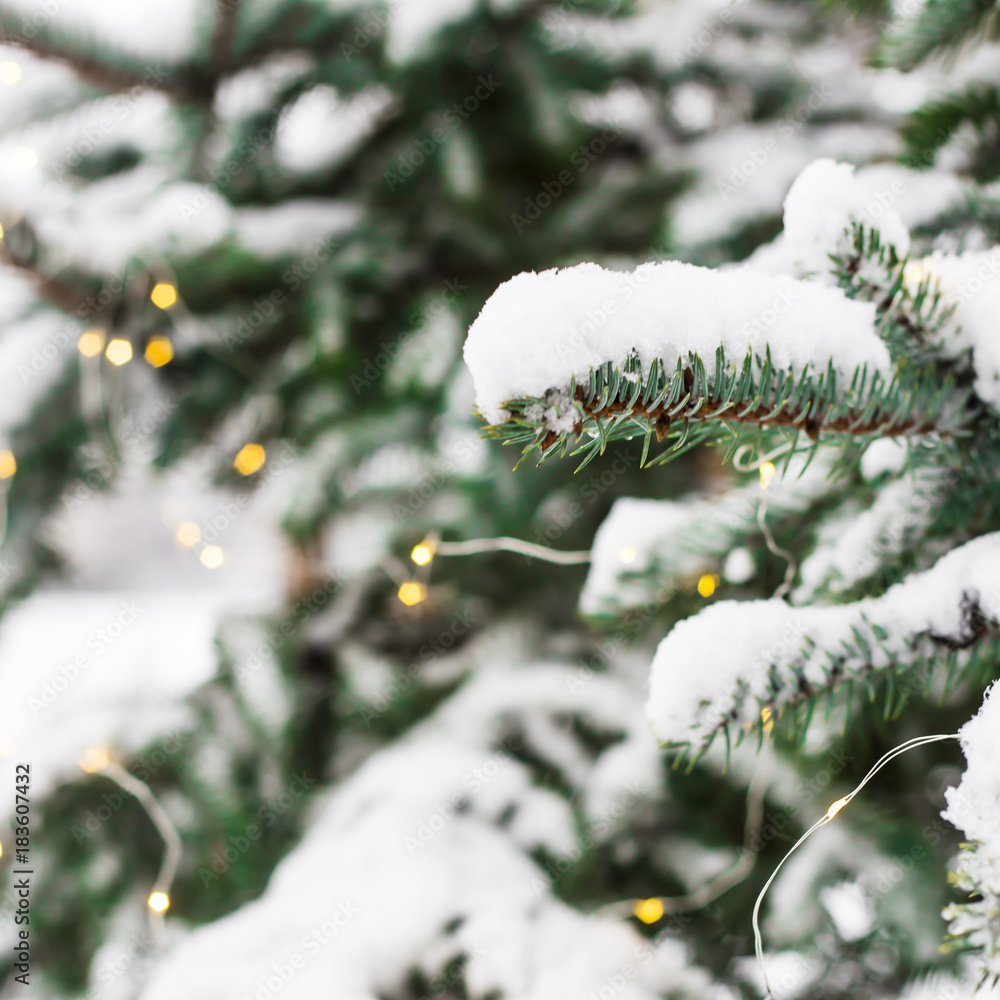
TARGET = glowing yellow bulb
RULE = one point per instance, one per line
(158, 901)
(10, 73)
(913, 273)
(412, 592)
(249, 459)
(628, 554)
(95, 759)
(25, 157)
(836, 807)
(707, 584)
(8, 464)
(91, 342)
(188, 534)
(211, 556)
(163, 296)
(159, 351)
(1, 232)
(119, 351)
(1, 850)
(767, 474)
(765, 717)
(422, 554)
(648, 910)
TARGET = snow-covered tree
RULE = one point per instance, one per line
(250, 557)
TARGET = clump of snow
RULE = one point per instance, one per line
(718, 667)
(974, 807)
(644, 548)
(820, 207)
(422, 854)
(538, 330)
(849, 908)
(881, 456)
(739, 566)
(852, 544)
(968, 284)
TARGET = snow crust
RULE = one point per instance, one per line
(974, 807)
(718, 666)
(537, 330)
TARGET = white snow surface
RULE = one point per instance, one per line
(645, 547)
(415, 839)
(719, 665)
(974, 807)
(968, 283)
(537, 330)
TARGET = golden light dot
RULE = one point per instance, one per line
(211, 556)
(628, 554)
(8, 464)
(91, 342)
(412, 592)
(95, 759)
(765, 717)
(163, 296)
(835, 807)
(10, 73)
(913, 273)
(1, 232)
(1, 850)
(767, 474)
(159, 351)
(422, 554)
(119, 351)
(648, 910)
(707, 584)
(158, 901)
(25, 157)
(188, 534)
(249, 459)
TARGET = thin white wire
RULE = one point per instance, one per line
(503, 544)
(911, 744)
(739, 465)
(162, 822)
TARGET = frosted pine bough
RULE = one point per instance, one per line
(837, 341)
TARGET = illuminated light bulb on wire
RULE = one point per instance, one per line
(119, 352)
(423, 553)
(412, 592)
(211, 556)
(707, 584)
(628, 554)
(10, 73)
(91, 342)
(767, 474)
(648, 910)
(159, 351)
(188, 534)
(8, 463)
(835, 807)
(95, 759)
(158, 901)
(163, 295)
(767, 720)
(249, 459)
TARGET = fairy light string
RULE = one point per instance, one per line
(97, 761)
(831, 813)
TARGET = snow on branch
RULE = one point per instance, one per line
(643, 545)
(686, 351)
(716, 670)
(974, 807)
